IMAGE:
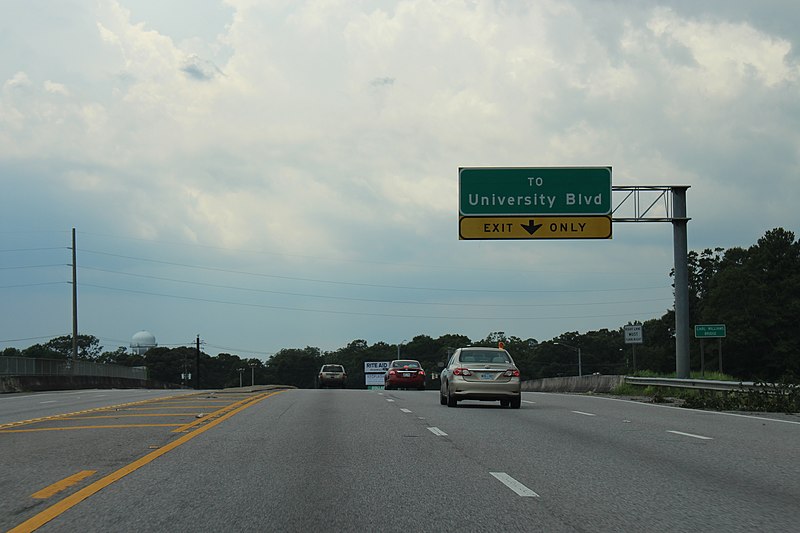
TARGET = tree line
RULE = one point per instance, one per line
(754, 291)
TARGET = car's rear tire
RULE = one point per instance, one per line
(451, 399)
(442, 399)
(505, 403)
(387, 387)
(516, 402)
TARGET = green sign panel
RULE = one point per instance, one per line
(709, 331)
(495, 191)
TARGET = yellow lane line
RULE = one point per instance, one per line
(35, 522)
(65, 483)
(210, 416)
(96, 410)
(70, 428)
(143, 415)
(174, 407)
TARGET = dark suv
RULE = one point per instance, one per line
(332, 376)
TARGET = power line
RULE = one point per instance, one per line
(242, 350)
(35, 249)
(34, 266)
(370, 300)
(354, 284)
(35, 284)
(355, 313)
(317, 258)
(35, 338)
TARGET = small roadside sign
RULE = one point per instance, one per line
(710, 331)
(634, 334)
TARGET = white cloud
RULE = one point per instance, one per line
(335, 128)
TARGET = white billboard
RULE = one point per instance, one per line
(374, 379)
(376, 366)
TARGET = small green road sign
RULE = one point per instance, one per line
(709, 331)
(498, 191)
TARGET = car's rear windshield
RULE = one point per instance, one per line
(332, 368)
(409, 364)
(487, 356)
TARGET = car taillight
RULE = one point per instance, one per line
(462, 372)
(511, 373)
(421, 372)
(392, 372)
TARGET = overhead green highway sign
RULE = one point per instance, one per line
(499, 191)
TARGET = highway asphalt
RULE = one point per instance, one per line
(356, 460)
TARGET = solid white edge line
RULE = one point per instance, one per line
(690, 435)
(582, 413)
(684, 409)
(514, 485)
(438, 432)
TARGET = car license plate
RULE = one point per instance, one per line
(406, 374)
(487, 376)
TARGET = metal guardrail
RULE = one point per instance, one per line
(700, 384)
(28, 366)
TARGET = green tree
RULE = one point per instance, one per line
(41, 351)
(297, 367)
(756, 294)
(11, 352)
(120, 356)
(88, 347)
(657, 353)
(165, 365)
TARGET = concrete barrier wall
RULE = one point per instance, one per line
(593, 383)
(44, 383)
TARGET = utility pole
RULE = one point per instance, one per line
(197, 365)
(74, 306)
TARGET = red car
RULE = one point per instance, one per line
(404, 374)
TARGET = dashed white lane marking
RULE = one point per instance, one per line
(582, 413)
(389, 400)
(438, 432)
(514, 485)
(527, 401)
(701, 437)
(406, 410)
(49, 401)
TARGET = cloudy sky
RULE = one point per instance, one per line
(272, 173)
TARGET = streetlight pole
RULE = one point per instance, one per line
(252, 374)
(240, 376)
(577, 349)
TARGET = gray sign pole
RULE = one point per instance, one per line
(681, 253)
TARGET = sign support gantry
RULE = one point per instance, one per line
(675, 212)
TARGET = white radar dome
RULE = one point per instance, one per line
(142, 341)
